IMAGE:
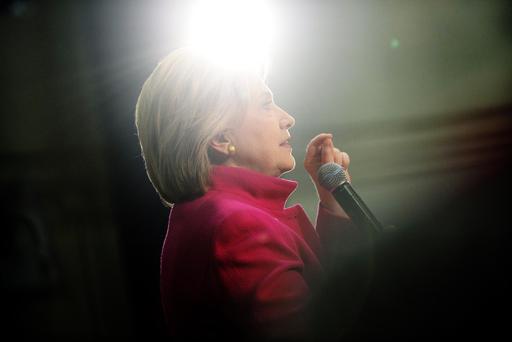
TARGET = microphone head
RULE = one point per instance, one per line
(331, 175)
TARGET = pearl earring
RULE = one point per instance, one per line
(231, 149)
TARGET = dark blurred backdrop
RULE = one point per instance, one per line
(419, 93)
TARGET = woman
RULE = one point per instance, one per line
(235, 262)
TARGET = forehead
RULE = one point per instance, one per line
(260, 90)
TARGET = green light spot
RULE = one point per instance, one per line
(394, 43)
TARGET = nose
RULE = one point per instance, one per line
(287, 121)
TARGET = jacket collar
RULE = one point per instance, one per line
(267, 191)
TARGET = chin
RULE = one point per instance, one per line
(288, 166)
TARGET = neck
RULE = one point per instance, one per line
(274, 173)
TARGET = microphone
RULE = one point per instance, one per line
(332, 177)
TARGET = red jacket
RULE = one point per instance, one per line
(235, 262)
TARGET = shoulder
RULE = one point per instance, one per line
(224, 209)
(245, 227)
(231, 217)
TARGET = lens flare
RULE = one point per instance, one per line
(235, 34)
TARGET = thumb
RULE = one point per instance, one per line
(327, 151)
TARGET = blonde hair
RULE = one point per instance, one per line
(183, 105)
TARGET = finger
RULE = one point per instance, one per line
(345, 160)
(349, 178)
(341, 158)
(327, 152)
(319, 139)
(338, 157)
(314, 146)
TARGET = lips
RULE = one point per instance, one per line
(286, 143)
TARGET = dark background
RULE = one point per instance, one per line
(419, 93)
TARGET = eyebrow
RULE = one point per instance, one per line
(267, 93)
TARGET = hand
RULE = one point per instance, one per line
(319, 151)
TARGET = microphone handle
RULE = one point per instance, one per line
(355, 208)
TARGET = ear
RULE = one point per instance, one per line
(218, 148)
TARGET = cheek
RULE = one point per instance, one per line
(260, 137)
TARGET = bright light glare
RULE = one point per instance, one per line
(234, 33)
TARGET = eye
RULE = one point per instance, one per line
(268, 105)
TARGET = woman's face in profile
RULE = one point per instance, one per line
(262, 139)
